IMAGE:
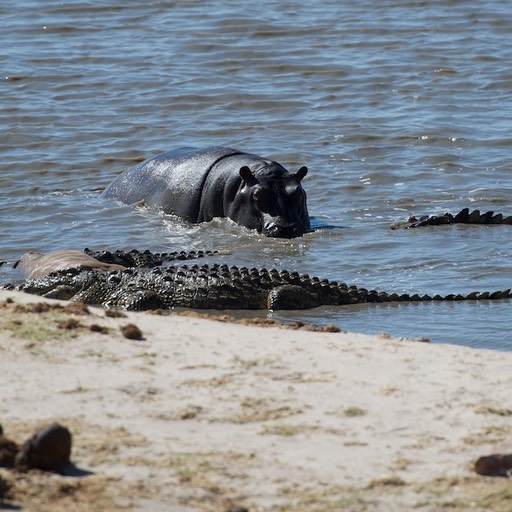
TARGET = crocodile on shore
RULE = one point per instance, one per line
(212, 287)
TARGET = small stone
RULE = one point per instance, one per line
(98, 328)
(497, 464)
(48, 449)
(131, 331)
(329, 328)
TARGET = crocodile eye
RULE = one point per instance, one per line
(114, 279)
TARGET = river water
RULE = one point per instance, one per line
(396, 107)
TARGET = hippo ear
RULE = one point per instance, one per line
(246, 174)
(302, 172)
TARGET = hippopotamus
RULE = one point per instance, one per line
(200, 184)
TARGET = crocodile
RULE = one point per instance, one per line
(138, 280)
(147, 259)
(216, 286)
(36, 264)
(463, 217)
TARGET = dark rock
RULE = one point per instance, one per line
(496, 464)
(131, 331)
(48, 449)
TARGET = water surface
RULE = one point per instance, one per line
(397, 107)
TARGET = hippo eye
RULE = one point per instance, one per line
(295, 192)
(297, 196)
(258, 195)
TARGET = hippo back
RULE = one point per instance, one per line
(173, 180)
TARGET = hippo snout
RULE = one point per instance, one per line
(283, 231)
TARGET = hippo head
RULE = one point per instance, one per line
(272, 201)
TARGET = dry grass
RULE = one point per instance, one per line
(44, 322)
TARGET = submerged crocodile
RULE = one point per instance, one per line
(463, 217)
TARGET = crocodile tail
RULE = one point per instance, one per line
(463, 217)
(475, 217)
(354, 295)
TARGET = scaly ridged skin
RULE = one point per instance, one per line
(212, 287)
(463, 217)
(148, 259)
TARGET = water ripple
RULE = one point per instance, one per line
(397, 107)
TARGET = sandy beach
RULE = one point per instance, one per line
(208, 415)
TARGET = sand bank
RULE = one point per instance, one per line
(207, 415)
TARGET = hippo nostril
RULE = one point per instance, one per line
(296, 232)
(270, 231)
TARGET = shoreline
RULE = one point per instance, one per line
(203, 414)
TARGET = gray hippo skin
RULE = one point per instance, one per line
(200, 184)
